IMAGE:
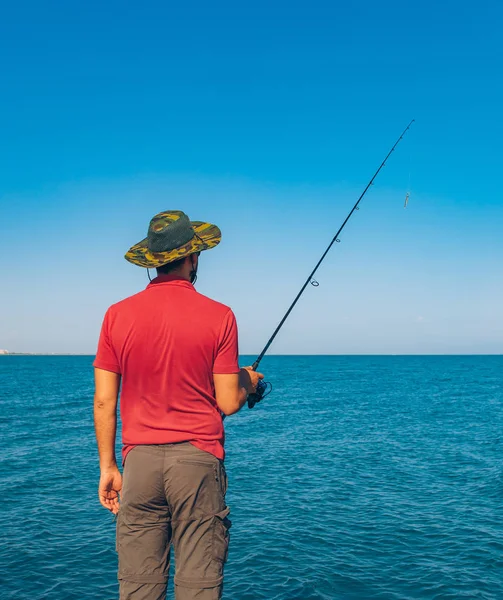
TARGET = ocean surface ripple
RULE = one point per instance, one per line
(358, 478)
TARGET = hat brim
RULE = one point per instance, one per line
(207, 236)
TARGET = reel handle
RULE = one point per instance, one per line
(258, 395)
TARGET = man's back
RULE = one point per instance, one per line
(167, 342)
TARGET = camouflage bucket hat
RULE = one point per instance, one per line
(171, 236)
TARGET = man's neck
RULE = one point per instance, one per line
(173, 276)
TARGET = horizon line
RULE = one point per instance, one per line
(281, 355)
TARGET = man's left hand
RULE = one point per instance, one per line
(109, 489)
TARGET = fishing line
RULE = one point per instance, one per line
(407, 194)
(265, 388)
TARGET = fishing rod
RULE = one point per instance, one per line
(265, 388)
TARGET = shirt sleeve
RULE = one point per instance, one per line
(106, 358)
(226, 360)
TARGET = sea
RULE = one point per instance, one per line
(359, 477)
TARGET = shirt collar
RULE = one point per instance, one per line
(170, 279)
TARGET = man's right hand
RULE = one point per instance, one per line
(232, 390)
(249, 379)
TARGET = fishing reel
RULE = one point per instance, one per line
(264, 388)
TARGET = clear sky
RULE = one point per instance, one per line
(267, 118)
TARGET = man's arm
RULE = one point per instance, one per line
(231, 390)
(105, 423)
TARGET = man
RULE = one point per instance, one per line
(175, 352)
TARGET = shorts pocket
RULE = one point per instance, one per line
(221, 535)
(117, 532)
(216, 466)
(200, 463)
(223, 479)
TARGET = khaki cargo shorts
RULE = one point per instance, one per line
(172, 494)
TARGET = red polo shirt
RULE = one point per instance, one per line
(166, 342)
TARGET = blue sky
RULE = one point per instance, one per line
(267, 119)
